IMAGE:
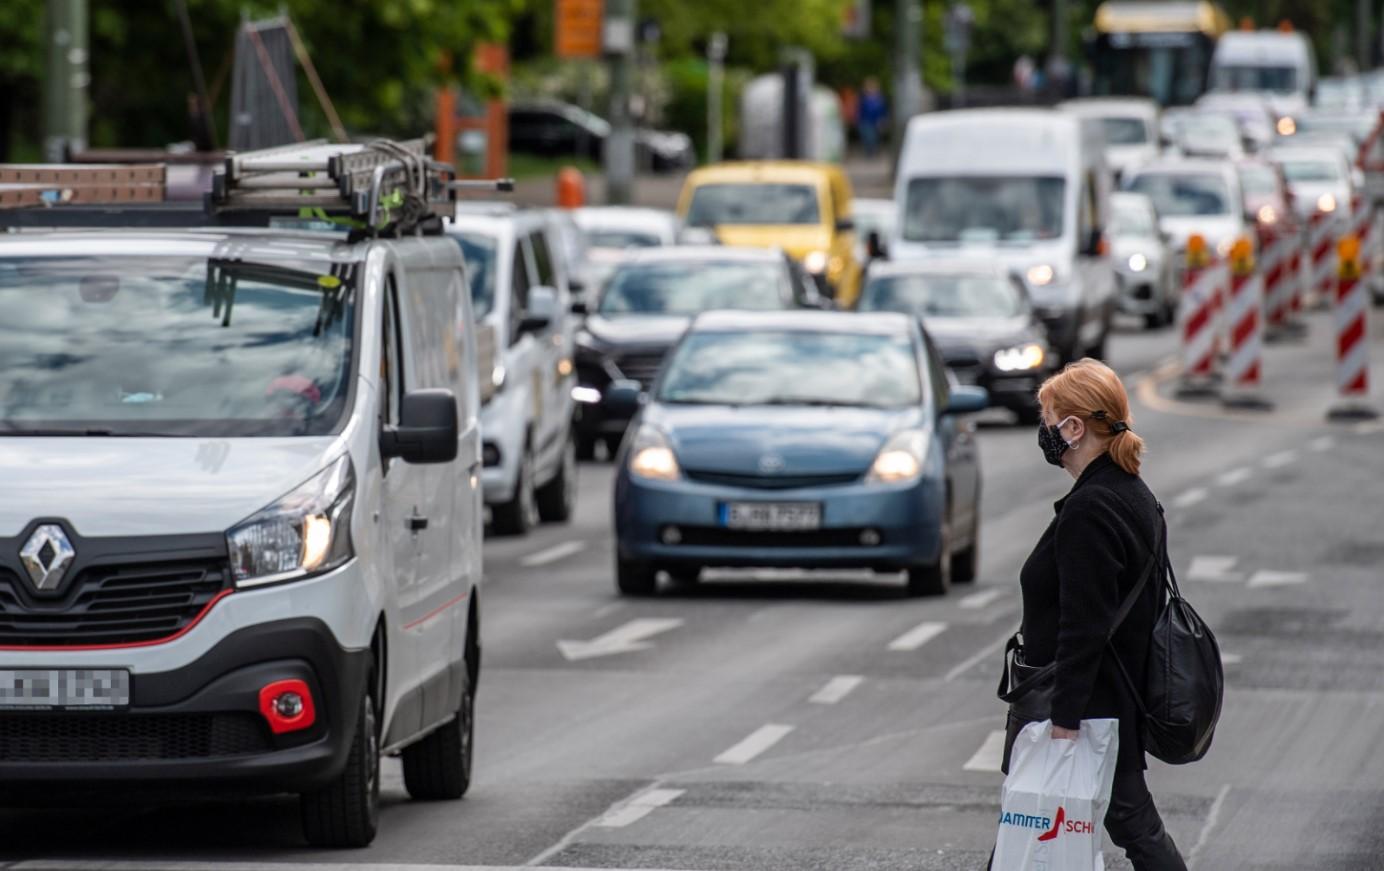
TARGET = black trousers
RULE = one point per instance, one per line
(1133, 823)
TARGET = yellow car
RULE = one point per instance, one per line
(802, 207)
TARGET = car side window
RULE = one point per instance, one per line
(391, 371)
(519, 298)
(542, 259)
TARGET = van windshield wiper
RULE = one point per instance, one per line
(81, 432)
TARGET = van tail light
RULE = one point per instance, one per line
(287, 706)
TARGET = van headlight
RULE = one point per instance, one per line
(816, 262)
(1020, 358)
(1138, 262)
(306, 532)
(1326, 203)
(901, 459)
(651, 456)
(1041, 275)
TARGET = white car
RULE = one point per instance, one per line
(520, 295)
(614, 232)
(1130, 126)
(1201, 197)
(1143, 264)
(1319, 176)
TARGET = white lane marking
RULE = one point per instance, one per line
(758, 741)
(1235, 476)
(1213, 568)
(978, 657)
(1231, 658)
(1324, 443)
(980, 599)
(179, 865)
(623, 639)
(918, 636)
(1212, 817)
(607, 610)
(990, 755)
(638, 808)
(1276, 579)
(1280, 459)
(1190, 498)
(552, 554)
(836, 689)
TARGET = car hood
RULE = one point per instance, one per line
(797, 239)
(637, 329)
(1213, 228)
(960, 337)
(807, 441)
(157, 486)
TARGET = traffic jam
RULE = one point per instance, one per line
(691, 531)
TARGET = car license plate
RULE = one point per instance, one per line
(771, 515)
(43, 689)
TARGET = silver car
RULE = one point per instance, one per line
(1144, 265)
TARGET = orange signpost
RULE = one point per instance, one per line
(577, 28)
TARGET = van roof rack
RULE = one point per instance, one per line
(377, 188)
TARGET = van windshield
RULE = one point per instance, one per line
(1247, 77)
(1014, 209)
(753, 203)
(1124, 131)
(141, 346)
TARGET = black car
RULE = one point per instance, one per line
(553, 129)
(645, 308)
(979, 317)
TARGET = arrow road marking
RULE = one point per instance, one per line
(1277, 579)
(760, 740)
(624, 639)
(553, 554)
(1213, 568)
(918, 636)
(990, 755)
(978, 600)
(638, 808)
(1190, 498)
(836, 689)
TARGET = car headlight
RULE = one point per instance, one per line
(1138, 263)
(1267, 214)
(1286, 126)
(652, 457)
(1326, 203)
(1020, 358)
(901, 459)
(1041, 275)
(816, 262)
(306, 532)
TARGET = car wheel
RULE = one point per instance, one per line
(346, 812)
(635, 577)
(934, 579)
(439, 766)
(684, 576)
(520, 513)
(558, 498)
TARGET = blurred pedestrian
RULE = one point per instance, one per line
(872, 113)
(1093, 553)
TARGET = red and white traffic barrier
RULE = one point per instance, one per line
(1321, 259)
(1362, 228)
(1352, 337)
(1244, 308)
(1197, 315)
(1278, 258)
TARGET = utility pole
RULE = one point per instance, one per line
(908, 84)
(715, 84)
(1363, 41)
(619, 149)
(65, 79)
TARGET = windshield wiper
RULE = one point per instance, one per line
(82, 432)
(815, 403)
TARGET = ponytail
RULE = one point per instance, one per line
(1127, 449)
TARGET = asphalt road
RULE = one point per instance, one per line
(787, 722)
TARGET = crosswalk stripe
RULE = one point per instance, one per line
(918, 636)
(990, 755)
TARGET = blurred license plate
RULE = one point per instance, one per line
(771, 515)
(43, 689)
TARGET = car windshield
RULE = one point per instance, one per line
(479, 253)
(1209, 131)
(793, 367)
(1310, 170)
(1255, 78)
(622, 239)
(1124, 131)
(753, 203)
(1258, 180)
(983, 208)
(1132, 220)
(694, 286)
(1184, 194)
(944, 296)
(174, 346)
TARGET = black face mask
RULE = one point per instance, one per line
(1053, 445)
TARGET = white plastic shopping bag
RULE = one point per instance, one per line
(1052, 808)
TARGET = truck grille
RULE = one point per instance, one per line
(111, 604)
(129, 737)
(641, 367)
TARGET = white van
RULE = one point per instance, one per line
(240, 542)
(1025, 187)
(1279, 64)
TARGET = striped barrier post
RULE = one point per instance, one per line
(1321, 261)
(1352, 338)
(1197, 315)
(1276, 248)
(1361, 219)
(1244, 313)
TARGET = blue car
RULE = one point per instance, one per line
(800, 439)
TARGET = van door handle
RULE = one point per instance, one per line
(417, 523)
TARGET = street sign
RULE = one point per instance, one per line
(577, 28)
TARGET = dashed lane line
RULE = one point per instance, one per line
(1235, 476)
(976, 658)
(918, 636)
(1280, 459)
(177, 865)
(1213, 816)
(1216, 569)
(990, 755)
(1276, 579)
(756, 743)
(981, 598)
(1323, 443)
(638, 808)
(1231, 658)
(553, 554)
(1190, 498)
(836, 689)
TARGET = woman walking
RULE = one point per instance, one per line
(1086, 563)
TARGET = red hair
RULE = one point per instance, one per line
(1091, 390)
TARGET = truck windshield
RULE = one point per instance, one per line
(135, 346)
(983, 208)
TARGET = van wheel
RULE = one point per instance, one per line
(346, 812)
(635, 577)
(520, 513)
(934, 579)
(439, 766)
(558, 498)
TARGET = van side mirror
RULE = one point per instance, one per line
(541, 310)
(427, 430)
(874, 246)
(965, 399)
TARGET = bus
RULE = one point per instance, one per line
(1160, 50)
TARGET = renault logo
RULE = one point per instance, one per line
(46, 556)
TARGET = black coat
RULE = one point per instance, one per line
(1086, 563)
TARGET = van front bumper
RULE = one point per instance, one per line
(199, 725)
